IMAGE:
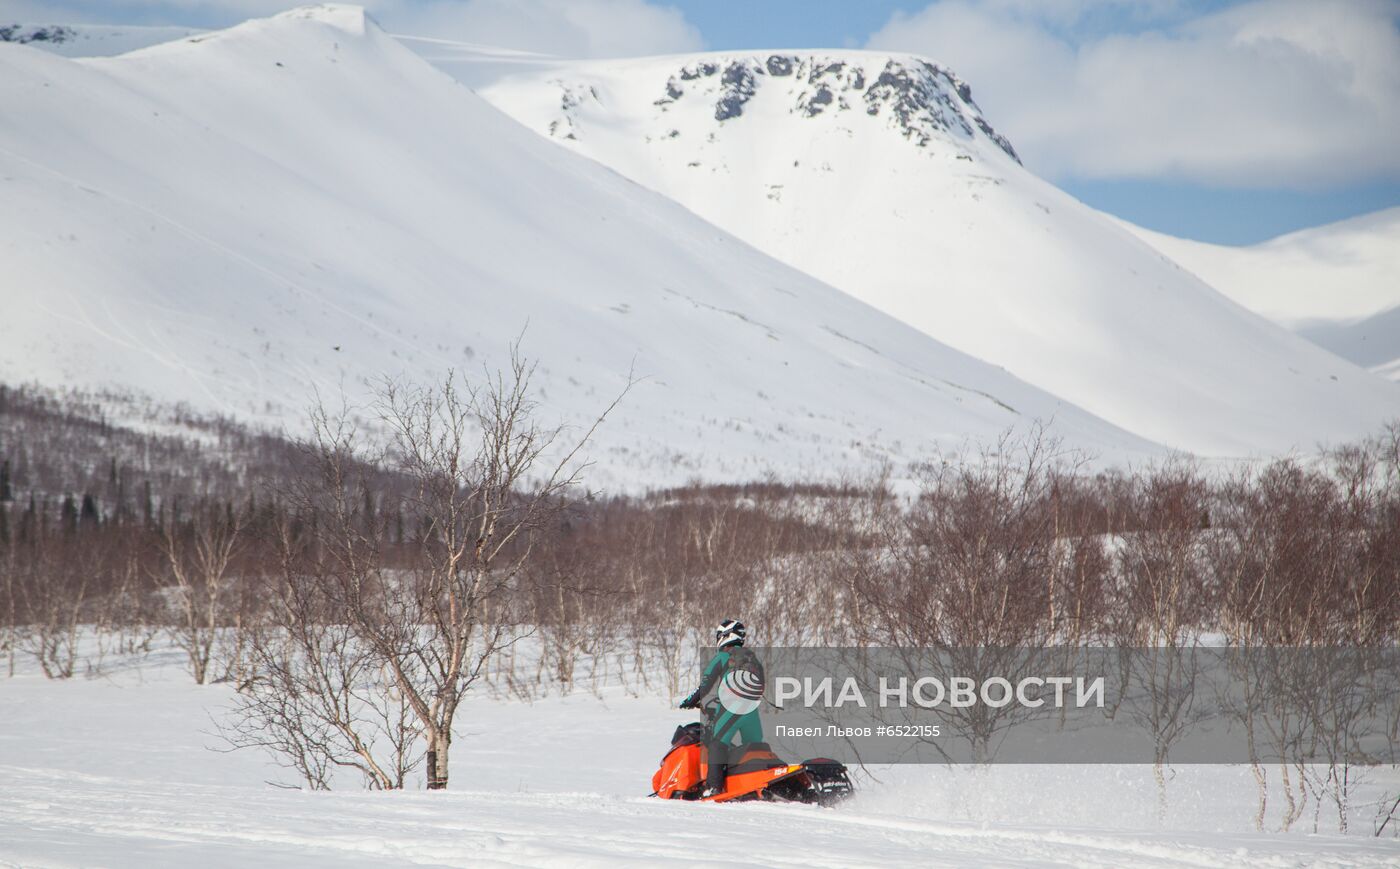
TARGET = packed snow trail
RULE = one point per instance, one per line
(116, 771)
(59, 819)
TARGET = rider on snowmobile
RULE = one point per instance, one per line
(740, 677)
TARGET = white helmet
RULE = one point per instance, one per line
(730, 632)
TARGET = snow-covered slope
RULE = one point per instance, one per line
(1336, 285)
(1338, 273)
(302, 202)
(91, 40)
(1372, 342)
(878, 174)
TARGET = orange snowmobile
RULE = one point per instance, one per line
(755, 772)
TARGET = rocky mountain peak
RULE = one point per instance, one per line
(25, 34)
(918, 98)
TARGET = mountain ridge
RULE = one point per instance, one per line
(91, 40)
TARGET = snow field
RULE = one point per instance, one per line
(117, 771)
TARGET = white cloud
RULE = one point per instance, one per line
(183, 12)
(1294, 93)
(570, 28)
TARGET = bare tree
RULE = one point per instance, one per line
(317, 697)
(198, 557)
(1162, 605)
(401, 632)
(487, 478)
(55, 590)
(964, 579)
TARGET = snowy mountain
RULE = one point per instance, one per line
(91, 40)
(1338, 273)
(299, 203)
(1336, 285)
(1372, 342)
(878, 174)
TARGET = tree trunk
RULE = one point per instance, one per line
(439, 744)
(1159, 774)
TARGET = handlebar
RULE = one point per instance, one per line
(709, 710)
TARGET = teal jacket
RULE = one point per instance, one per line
(713, 671)
(739, 675)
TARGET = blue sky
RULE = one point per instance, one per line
(780, 24)
(729, 24)
(1229, 122)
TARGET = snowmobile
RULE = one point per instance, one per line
(755, 772)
